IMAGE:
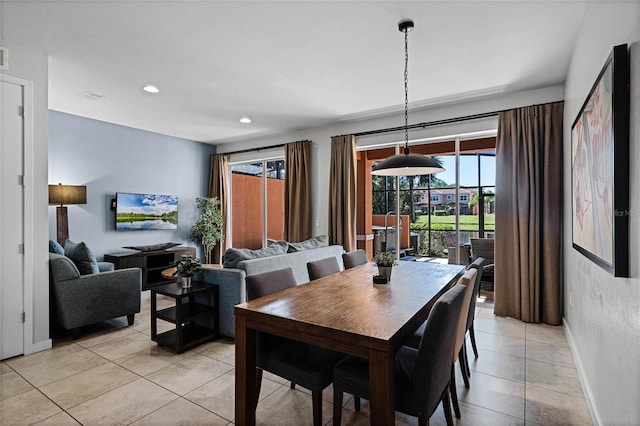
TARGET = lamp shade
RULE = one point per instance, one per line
(67, 194)
(407, 165)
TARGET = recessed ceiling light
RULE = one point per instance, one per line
(149, 88)
(245, 120)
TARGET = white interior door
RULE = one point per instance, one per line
(11, 220)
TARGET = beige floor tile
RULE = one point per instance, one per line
(554, 377)
(552, 408)
(554, 354)
(123, 346)
(497, 364)
(547, 334)
(60, 419)
(180, 412)
(485, 313)
(504, 326)
(289, 407)
(218, 395)
(59, 349)
(223, 350)
(4, 368)
(123, 405)
(499, 343)
(493, 393)
(151, 359)
(12, 384)
(89, 384)
(58, 368)
(26, 408)
(188, 374)
(102, 332)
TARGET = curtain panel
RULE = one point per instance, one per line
(528, 215)
(297, 197)
(219, 187)
(342, 192)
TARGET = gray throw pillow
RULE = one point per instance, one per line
(311, 243)
(55, 247)
(233, 256)
(82, 257)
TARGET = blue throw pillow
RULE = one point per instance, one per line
(82, 257)
(55, 247)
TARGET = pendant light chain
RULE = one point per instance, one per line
(406, 89)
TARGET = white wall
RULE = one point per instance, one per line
(32, 66)
(602, 313)
(321, 136)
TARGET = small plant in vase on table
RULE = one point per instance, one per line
(385, 261)
(185, 268)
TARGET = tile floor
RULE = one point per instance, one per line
(115, 374)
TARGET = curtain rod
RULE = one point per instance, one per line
(259, 148)
(430, 123)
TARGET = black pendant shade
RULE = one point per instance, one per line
(407, 164)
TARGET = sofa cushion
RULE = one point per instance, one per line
(55, 247)
(82, 257)
(232, 256)
(311, 243)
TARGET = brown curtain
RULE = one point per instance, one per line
(219, 187)
(529, 214)
(297, 198)
(342, 192)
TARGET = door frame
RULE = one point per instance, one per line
(28, 207)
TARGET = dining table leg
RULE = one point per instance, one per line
(381, 388)
(245, 373)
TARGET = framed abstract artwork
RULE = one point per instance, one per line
(600, 168)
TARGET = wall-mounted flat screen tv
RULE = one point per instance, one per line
(135, 212)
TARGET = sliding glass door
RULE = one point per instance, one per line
(257, 203)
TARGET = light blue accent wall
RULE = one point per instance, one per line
(109, 158)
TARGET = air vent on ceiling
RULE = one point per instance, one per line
(4, 58)
(92, 96)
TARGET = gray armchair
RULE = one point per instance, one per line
(79, 300)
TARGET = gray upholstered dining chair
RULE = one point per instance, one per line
(467, 280)
(479, 265)
(354, 258)
(309, 366)
(421, 376)
(323, 267)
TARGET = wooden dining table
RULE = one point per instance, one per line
(347, 313)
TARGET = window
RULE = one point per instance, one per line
(435, 198)
(257, 203)
(464, 198)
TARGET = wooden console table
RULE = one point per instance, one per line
(152, 263)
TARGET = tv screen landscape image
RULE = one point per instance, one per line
(135, 212)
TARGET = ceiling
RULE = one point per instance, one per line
(286, 65)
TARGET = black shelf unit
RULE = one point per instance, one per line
(195, 315)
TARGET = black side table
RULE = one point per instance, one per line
(192, 318)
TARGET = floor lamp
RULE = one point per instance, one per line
(65, 194)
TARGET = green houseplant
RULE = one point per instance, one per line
(208, 229)
(185, 268)
(385, 261)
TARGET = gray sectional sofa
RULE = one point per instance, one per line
(231, 281)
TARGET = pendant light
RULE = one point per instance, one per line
(407, 164)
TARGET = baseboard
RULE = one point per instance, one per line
(593, 411)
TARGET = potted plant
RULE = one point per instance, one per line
(208, 229)
(385, 261)
(185, 268)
